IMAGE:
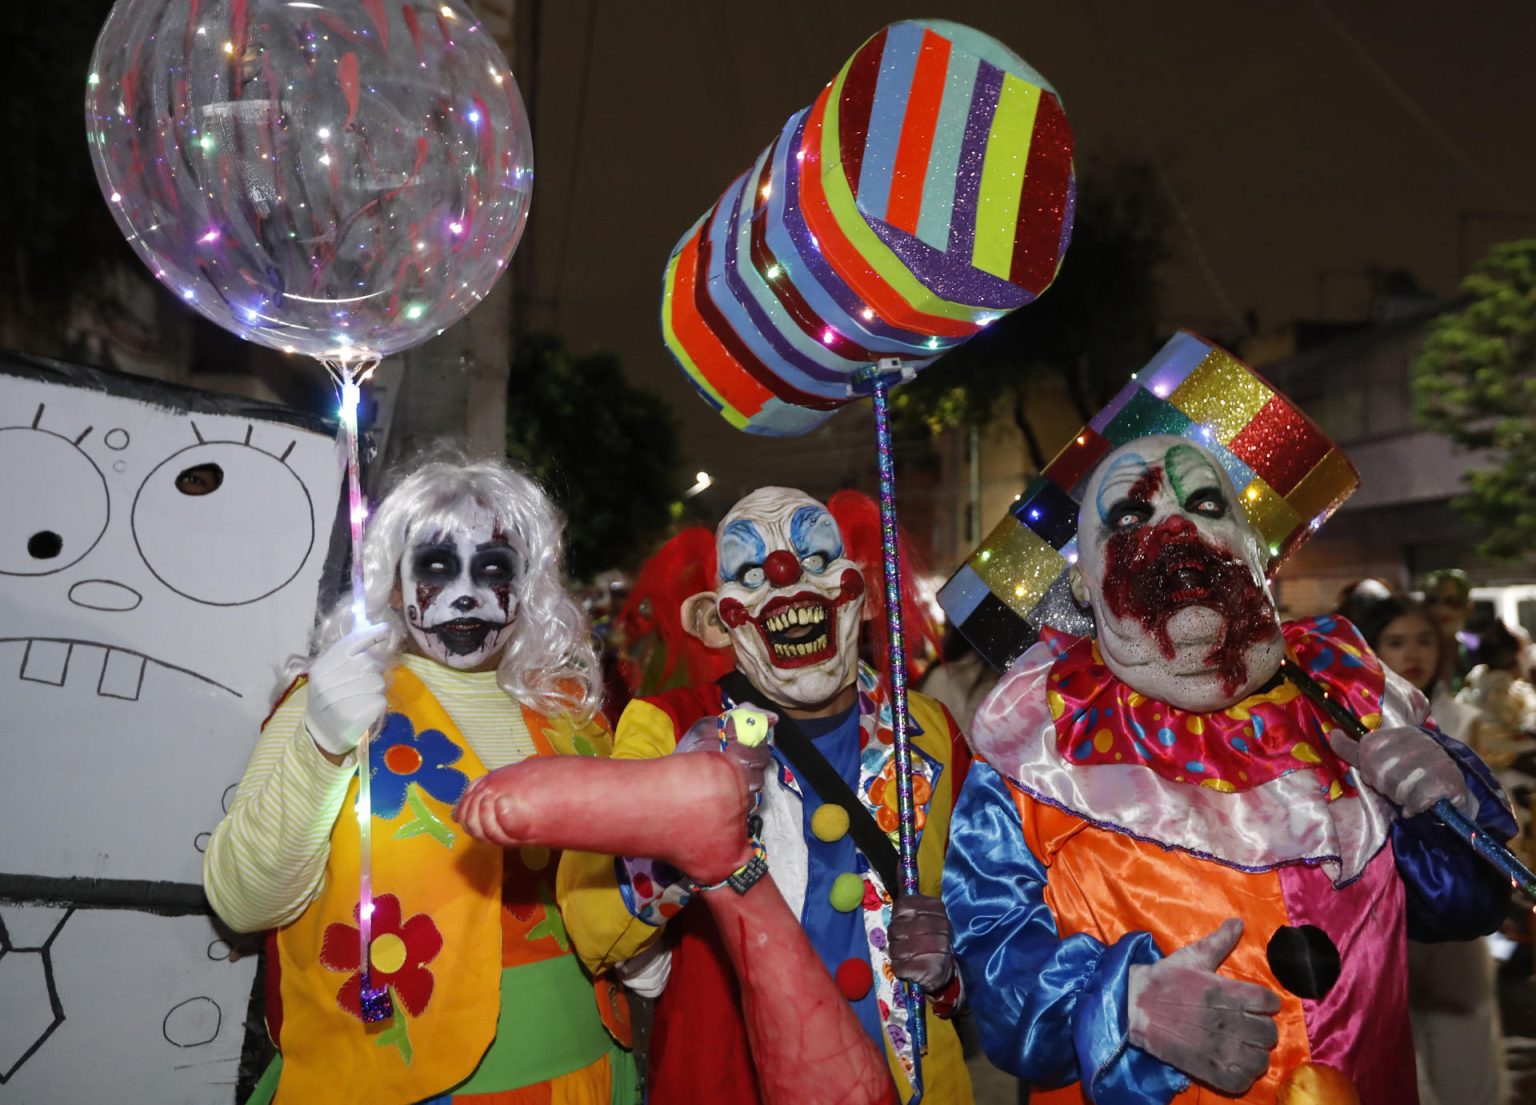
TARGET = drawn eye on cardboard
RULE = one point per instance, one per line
(56, 503)
(253, 517)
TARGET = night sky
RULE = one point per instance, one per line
(1301, 143)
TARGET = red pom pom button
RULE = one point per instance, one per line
(854, 978)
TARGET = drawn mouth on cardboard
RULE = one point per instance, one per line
(49, 659)
(799, 630)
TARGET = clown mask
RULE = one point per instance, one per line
(789, 601)
(457, 592)
(1174, 575)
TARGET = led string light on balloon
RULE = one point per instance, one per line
(203, 135)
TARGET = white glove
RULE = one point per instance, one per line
(346, 691)
(1215, 1029)
(1404, 765)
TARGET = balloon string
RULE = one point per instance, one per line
(373, 1002)
(906, 808)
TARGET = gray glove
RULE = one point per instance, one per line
(921, 943)
(1406, 766)
(1214, 1029)
(346, 691)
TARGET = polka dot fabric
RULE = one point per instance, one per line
(1102, 721)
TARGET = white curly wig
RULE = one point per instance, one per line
(549, 664)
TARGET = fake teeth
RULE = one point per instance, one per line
(800, 615)
(803, 649)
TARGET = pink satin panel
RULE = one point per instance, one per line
(1360, 1026)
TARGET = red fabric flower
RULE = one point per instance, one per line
(398, 955)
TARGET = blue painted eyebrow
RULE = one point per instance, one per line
(1123, 461)
(813, 530)
(741, 545)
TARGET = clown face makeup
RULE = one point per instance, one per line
(1174, 575)
(790, 600)
(457, 593)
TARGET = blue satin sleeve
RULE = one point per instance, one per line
(1451, 894)
(1049, 1010)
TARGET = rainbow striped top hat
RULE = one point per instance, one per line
(1289, 478)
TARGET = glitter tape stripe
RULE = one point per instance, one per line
(906, 201)
(858, 77)
(696, 348)
(1002, 177)
(1043, 200)
(898, 62)
(939, 181)
(800, 368)
(881, 280)
(973, 151)
(1171, 365)
(727, 337)
(789, 237)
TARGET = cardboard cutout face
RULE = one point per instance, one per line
(160, 555)
(789, 599)
(457, 590)
(1174, 575)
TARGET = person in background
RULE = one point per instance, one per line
(1448, 594)
(961, 678)
(1408, 638)
(1452, 1000)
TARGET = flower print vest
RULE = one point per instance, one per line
(440, 938)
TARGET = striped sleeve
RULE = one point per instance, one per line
(266, 859)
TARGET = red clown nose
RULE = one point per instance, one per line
(782, 568)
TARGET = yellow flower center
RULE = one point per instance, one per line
(387, 953)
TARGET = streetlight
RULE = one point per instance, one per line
(701, 481)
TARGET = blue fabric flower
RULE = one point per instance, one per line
(400, 756)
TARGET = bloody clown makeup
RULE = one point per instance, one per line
(789, 598)
(457, 593)
(1174, 575)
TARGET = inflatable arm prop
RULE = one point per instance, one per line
(807, 1043)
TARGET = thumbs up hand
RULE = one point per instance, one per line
(1217, 1030)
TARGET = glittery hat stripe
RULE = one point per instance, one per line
(1288, 477)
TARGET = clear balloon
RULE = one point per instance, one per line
(341, 178)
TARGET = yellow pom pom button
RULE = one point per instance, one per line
(846, 893)
(829, 823)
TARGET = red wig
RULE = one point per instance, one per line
(858, 518)
(684, 566)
